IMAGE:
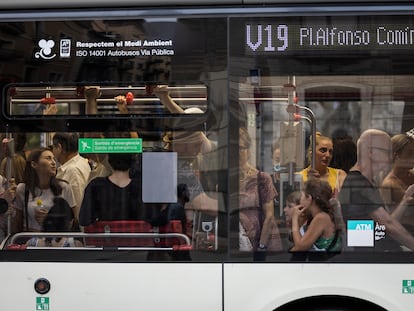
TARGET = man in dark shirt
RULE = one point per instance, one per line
(360, 198)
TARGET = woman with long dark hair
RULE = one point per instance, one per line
(321, 230)
(35, 196)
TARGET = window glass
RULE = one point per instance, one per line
(336, 76)
(146, 95)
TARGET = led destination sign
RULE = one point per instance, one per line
(280, 38)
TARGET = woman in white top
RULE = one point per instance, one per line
(34, 197)
(59, 219)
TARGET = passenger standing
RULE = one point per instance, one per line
(360, 197)
(34, 197)
(276, 172)
(400, 178)
(116, 197)
(322, 170)
(99, 161)
(16, 159)
(73, 167)
(199, 142)
(344, 153)
(7, 196)
(258, 229)
(191, 147)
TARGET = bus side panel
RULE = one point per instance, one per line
(262, 287)
(113, 286)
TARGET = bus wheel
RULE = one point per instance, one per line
(330, 303)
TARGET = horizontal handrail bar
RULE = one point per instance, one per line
(49, 89)
(82, 100)
(16, 236)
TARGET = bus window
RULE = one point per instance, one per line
(105, 86)
(297, 85)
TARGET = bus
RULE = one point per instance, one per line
(190, 75)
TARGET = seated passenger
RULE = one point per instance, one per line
(34, 197)
(323, 156)
(116, 197)
(319, 232)
(60, 218)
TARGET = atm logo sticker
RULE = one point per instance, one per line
(360, 233)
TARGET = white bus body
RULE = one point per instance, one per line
(242, 63)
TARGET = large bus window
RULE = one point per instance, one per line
(316, 76)
(148, 89)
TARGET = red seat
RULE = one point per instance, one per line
(132, 226)
(16, 247)
(119, 226)
(174, 226)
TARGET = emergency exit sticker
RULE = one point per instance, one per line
(408, 286)
(42, 303)
(110, 145)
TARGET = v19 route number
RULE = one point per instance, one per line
(274, 38)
